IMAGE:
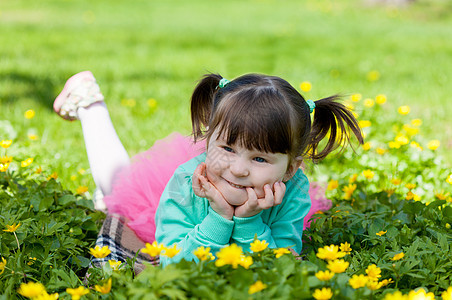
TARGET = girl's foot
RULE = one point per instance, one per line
(81, 90)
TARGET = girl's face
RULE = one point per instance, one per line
(232, 168)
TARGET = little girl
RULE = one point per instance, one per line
(237, 178)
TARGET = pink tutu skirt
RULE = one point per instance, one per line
(137, 190)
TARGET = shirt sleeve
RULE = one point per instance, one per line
(186, 220)
(280, 226)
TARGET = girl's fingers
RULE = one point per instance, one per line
(269, 199)
(280, 190)
(252, 198)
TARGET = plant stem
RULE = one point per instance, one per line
(17, 240)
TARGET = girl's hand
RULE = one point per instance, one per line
(255, 205)
(204, 189)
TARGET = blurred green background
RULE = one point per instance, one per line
(141, 50)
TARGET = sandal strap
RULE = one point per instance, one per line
(84, 94)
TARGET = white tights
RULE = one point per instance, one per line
(106, 154)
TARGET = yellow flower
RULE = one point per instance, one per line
(358, 281)
(6, 159)
(403, 110)
(345, 247)
(32, 136)
(256, 287)
(380, 151)
(380, 99)
(364, 123)
(416, 122)
(380, 233)
(171, 252)
(338, 265)
(322, 294)
(411, 131)
(230, 255)
(410, 186)
(29, 114)
(356, 97)
(353, 178)
(373, 75)
(394, 145)
(54, 175)
(81, 190)
(4, 167)
(31, 289)
(447, 225)
(368, 174)
(396, 181)
(153, 249)
(449, 179)
(280, 252)
(420, 295)
(246, 261)
(416, 145)
(401, 139)
(332, 184)
(398, 256)
(6, 143)
(26, 163)
(114, 264)
(38, 170)
(366, 146)
(409, 195)
(369, 102)
(99, 252)
(305, 86)
(433, 144)
(11, 228)
(373, 284)
(78, 292)
(129, 102)
(324, 275)
(45, 296)
(152, 103)
(447, 294)
(203, 253)
(258, 246)
(2, 265)
(396, 296)
(373, 271)
(104, 289)
(330, 253)
(385, 282)
(348, 190)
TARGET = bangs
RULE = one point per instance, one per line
(255, 119)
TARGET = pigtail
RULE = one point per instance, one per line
(336, 119)
(201, 104)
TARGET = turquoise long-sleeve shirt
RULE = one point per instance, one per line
(187, 220)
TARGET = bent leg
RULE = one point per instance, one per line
(106, 154)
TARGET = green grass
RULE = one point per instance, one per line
(158, 49)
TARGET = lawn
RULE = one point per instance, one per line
(392, 197)
(158, 50)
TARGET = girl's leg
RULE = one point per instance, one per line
(106, 154)
(81, 99)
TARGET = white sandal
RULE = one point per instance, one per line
(81, 90)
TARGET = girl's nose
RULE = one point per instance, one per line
(239, 168)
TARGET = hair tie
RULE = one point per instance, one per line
(311, 105)
(223, 82)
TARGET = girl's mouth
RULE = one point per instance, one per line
(235, 185)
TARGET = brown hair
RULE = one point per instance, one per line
(267, 114)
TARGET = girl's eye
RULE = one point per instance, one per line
(260, 159)
(228, 149)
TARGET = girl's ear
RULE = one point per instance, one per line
(292, 169)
